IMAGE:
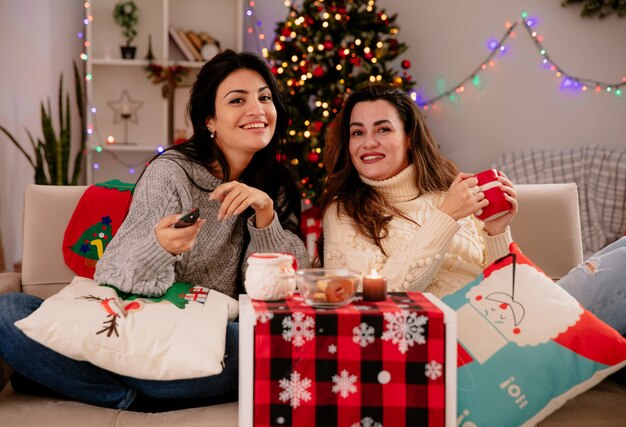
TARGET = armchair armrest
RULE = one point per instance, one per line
(547, 226)
(10, 282)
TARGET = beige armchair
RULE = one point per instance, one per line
(547, 230)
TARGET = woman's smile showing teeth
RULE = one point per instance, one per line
(372, 157)
(254, 126)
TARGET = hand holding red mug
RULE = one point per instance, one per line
(502, 206)
(489, 195)
(490, 185)
(464, 197)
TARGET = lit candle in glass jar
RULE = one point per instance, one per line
(374, 287)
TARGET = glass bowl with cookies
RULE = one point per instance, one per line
(328, 288)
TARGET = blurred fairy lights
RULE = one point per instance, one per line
(91, 118)
(568, 80)
(496, 47)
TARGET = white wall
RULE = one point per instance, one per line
(521, 104)
(37, 42)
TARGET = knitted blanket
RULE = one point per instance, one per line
(599, 173)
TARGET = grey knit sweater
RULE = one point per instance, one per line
(135, 262)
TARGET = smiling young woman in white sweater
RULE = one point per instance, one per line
(394, 203)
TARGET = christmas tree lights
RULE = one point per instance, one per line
(320, 53)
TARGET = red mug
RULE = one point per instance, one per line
(490, 186)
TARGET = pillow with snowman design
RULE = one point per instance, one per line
(525, 346)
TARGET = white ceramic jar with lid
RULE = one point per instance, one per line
(270, 276)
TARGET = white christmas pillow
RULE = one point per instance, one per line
(177, 336)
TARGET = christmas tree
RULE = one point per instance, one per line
(322, 51)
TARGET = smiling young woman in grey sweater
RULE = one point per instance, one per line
(248, 203)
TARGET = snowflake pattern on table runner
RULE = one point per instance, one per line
(405, 329)
(298, 328)
(367, 422)
(433, 370)
(264, 316)
(344, 384)
(295, 389)
(331, 359)
(363, 334)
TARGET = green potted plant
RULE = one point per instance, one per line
(51, 157)
(126, 15)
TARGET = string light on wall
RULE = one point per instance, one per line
(255, 27)
(496, 47)
(568, 80)
(88, 18)
(91, 120)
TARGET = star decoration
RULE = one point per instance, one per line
(125, 108)
(84, 248)
(106, 220)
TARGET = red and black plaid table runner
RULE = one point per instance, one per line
(365, 364)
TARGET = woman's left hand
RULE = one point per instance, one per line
(499, 225)
(236, 197)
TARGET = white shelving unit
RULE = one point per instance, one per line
(109, 76)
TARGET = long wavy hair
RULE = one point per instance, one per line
(264, 171)
(368, 209)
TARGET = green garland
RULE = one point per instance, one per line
(601, 8)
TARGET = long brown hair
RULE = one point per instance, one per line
(367, 208)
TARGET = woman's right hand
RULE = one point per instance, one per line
(463, 197)
(177, 240)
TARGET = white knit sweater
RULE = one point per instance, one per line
(435, 254)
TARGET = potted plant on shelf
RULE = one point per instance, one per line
(126, 15)
(51, 156)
